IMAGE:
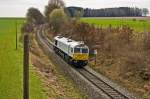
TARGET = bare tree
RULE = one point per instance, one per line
(34, 16)
(57, 18)
(26, 28)
(145, 11)
(53, 4)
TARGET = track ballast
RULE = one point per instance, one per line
(100, 84)
(96, 81)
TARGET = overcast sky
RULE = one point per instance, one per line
(13, 8)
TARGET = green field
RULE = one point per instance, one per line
(137, 25)
(11, 63)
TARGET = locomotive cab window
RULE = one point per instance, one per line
(77, 50)
(71, 50)
(55, 42)
(84, 50)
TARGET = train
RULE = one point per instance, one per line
(73, 52)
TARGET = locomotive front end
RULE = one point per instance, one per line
(81, 55)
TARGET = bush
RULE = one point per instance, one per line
(146, 41)
(58, 18)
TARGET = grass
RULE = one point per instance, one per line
(11, 63)
(137, 25)
(58, 85)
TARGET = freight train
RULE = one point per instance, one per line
(73, 52)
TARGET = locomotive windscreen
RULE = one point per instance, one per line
(80, 50)
(84, 50)
(77, 50)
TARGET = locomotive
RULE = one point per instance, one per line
(73, 52)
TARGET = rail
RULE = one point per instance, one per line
(99, 83)
(96, 81)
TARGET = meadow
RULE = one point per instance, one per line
(11, 63)
(138, 24)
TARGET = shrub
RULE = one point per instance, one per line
(146, 41)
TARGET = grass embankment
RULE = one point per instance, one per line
(136, 24)
(57, 84)
(11, 64)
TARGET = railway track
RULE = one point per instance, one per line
(99, 83)
(110, 91)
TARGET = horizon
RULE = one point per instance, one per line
(80, 7)
(18, 8)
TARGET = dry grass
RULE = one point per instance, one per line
(57, 85)
(123, 54)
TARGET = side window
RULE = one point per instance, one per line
(56, 42)
(71, 50)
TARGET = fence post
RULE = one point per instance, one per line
(26, 68)
(16, 35)
(95, 55)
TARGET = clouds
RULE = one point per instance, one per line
(19, 7)
(108, 3)
(23, 2)
(13, 8)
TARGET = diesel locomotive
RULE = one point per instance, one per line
(74, 52)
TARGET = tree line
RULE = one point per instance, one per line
(108, 12)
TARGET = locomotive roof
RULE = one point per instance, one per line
(68, 41)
